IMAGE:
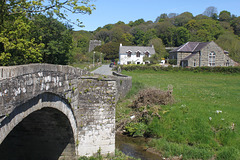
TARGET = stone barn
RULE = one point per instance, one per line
(198, 54)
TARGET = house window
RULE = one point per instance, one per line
(194, 62)
(138, 54)
(138, 62)
(129, 53)
(211, 59)
(146, 54)
(128, 62)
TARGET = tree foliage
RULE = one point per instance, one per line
(26, 37)
(210, 11)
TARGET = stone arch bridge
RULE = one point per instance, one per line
(57, 112)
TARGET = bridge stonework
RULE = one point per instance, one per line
(40, 97)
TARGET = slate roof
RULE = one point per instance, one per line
(134, 49)
(191, 47)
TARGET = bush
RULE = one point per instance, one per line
(172, 61)
(226, 70)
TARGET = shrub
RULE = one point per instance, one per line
(193, 69)
(172, 61)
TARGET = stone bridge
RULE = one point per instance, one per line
(57, 112)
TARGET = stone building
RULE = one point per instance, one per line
(134, 54)
(93, 44)
(198, 54)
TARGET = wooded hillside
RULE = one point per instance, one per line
(168, 30)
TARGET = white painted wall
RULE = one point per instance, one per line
(133, 59)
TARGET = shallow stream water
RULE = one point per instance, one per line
(134, 147)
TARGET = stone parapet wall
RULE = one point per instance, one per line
(124, 84)
(14, 71)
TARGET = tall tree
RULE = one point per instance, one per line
(204, 30)
(57, 39)
(210, 11)
(225, 16)
(183, 18)
(236, 25)
(18, 47)
(15, 19)
(230, 42)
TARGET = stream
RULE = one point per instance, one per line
(134, 147)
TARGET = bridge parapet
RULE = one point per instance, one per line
(14, 71)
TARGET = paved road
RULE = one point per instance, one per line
(104, 70)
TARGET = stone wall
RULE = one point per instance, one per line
(124, 84)
(88, 101)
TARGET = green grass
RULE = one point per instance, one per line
(206, 106)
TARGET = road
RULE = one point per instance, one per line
(104, 70)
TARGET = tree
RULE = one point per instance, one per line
(161, 18)
(11, 8)
(181, 36)
(225, 16)
(183, 18)
(230, 42)
(236, 25)
(18, 47)
(57, 39)
(110, 50)
(204, 30)
(150, 34)
(136, 23)
(165, 32)
(159, 48)
(210, 11)
(116, 34)
(138, 35)
(172, 15)
(103, 35)
(201, 16)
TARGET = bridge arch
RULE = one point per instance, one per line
(49, 119)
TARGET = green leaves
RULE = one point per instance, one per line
(19, 47)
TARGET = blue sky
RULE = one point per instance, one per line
(112, 11)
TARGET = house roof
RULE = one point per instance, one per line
(134, 49)
(191, 47)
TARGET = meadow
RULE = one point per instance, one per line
(202, 123)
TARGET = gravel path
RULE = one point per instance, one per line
(104, 70)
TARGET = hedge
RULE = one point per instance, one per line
(170, 68)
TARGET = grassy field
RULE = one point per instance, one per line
(203, 123)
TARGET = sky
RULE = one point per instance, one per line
(112, 11)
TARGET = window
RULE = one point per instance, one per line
(129, 53)
(138, 54)
(211, 59)
(146, 54)
(194, 62)
(227, 64)
(128, 62)
(138, 62)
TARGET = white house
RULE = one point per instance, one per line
(134, 54)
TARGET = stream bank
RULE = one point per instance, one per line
(135, 147)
